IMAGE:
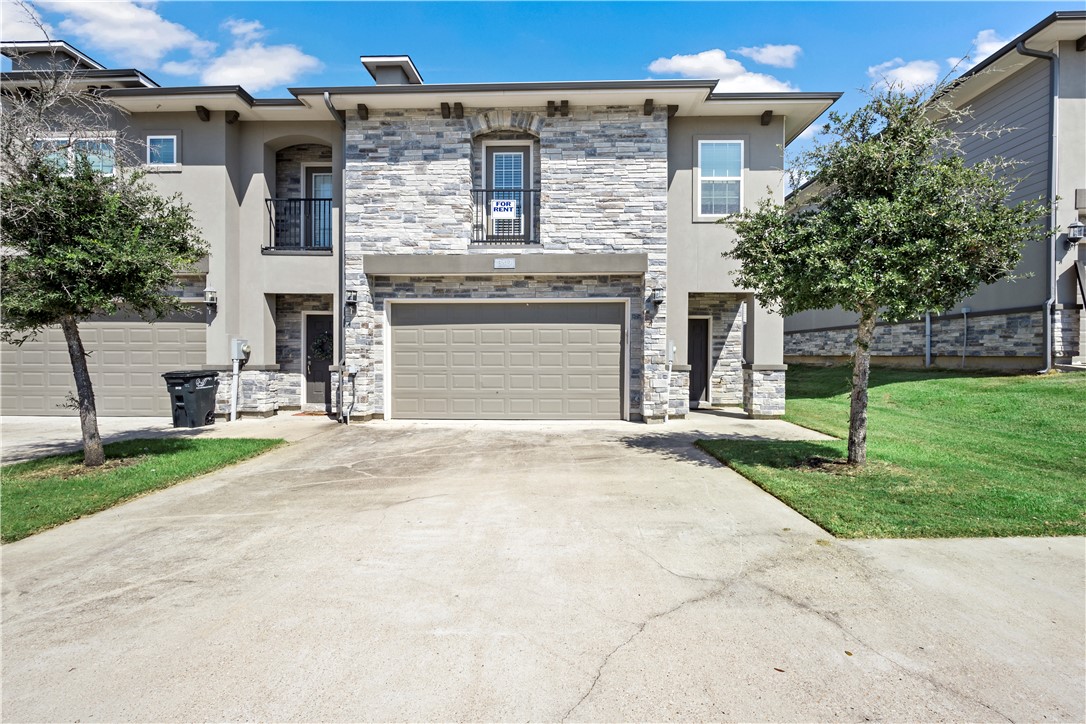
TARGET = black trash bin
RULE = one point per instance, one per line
(192, 396)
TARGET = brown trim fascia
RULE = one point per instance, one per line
(591, 85)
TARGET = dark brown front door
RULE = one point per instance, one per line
(318, 356)
(697, 354)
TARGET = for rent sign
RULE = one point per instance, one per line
(503, 209)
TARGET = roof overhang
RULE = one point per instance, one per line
(683, 97)
(1044, 36)
(113, 79)
(13, 48)
(690, 98)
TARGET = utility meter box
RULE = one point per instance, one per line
(240, 349)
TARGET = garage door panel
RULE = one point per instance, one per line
(508, 361)
(435, 383)
(126, 362)
(465, 336)
(521, 359)
(492, 359)
(523, 336)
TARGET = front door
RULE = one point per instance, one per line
(508, 176)
(697, 354)
(318, 211)
(318, 356)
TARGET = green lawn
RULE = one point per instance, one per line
(43, 493)
(949, 454)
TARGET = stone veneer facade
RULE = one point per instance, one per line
(1006, 336)
(726, 345)
(288, 345)
(603, 180)
(763, 391)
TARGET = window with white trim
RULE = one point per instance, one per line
(99, 152)
(162, 150)
(720, 178)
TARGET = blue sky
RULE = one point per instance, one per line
(268, 46)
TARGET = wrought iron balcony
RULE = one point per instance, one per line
(300, 224)
(505, 216)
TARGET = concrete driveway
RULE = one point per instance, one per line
(515, 571)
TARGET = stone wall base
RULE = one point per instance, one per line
(993, 341)
(763, 392)
(1010, 364)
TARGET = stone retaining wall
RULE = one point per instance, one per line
(1019, 334)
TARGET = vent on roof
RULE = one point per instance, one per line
(392, 69)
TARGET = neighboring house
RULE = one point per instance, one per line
(1030, 323)
(492, 250)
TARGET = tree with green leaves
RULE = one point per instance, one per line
(893, 223)
(83, 233)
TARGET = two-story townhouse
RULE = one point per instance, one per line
(1035, 88)
(494, 250)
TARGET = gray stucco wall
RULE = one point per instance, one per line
(603, 179)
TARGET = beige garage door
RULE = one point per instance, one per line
(126, 364)
(507, 361)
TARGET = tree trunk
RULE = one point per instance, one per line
(861, 372)
(93, 454)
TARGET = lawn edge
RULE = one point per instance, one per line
(278, 442)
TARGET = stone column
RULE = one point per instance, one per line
(763, 368)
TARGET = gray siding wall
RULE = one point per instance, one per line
(603, 179)
(1020, 102)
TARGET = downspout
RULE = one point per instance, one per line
(341, 312)
(927, 339)
(1054, 91)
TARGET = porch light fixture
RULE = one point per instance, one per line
(351, 296)
(211, 297)
(1076, 232)
(656, 297)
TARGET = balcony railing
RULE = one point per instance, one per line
(505, 216)
(300, 224)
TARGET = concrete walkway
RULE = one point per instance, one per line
(524, 571)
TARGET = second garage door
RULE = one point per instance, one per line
(126, 364)
(507, 360)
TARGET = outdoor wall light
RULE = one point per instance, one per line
(351, 296)
(211, 297)
(656, 296)
(1076, 232)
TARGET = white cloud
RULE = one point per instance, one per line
(258, 67)
(19, 21)
(904, 76)
(986, 43)
(246, 31)
(733, 76)
(130, 31)
(779, 56)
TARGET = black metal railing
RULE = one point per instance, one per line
(505, 216)
(300, 224)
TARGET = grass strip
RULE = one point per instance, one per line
(951, 454)
(43, 493)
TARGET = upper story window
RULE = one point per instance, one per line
(720, 178)
(162, 150)
(506, 203)
(63, 151)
